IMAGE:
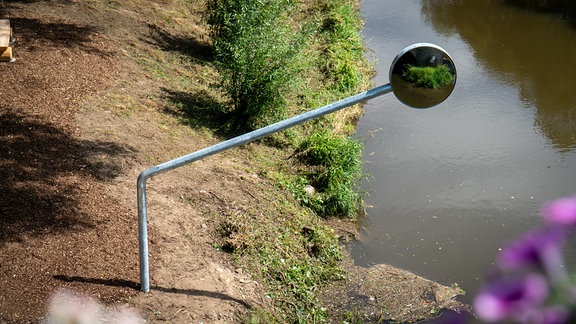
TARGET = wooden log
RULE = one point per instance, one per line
(6, 55)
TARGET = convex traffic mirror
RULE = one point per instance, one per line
(422, 75)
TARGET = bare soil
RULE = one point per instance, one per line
(79, 120)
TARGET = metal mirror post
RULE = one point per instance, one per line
(421, 76)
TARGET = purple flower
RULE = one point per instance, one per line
(548, 315)
(512, 297)
(448, 316)
(561, 211)
(452, 317)
(536, 248)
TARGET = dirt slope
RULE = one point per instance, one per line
(67, 199)
(81, 116)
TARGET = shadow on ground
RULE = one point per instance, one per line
(55, 34)
(136, 286)
(193, 47)
(196, 109)
(43, 170)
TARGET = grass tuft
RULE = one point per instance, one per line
(288, 250)
(428, 76)
(337, 168)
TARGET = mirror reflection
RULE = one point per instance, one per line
(422, 75)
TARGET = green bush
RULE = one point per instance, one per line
(337, 168)
(255, 53)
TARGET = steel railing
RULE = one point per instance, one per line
(222, 146)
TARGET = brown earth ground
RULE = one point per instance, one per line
(81, 115)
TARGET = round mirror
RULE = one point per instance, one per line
(422, 75)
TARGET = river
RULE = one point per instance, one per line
(449, 185)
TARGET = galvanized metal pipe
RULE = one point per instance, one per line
(222, 146)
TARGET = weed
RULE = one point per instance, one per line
(344, 53)
(293, 255)
(353, 316)
(338, 167)
(258, 316)
(284, 247)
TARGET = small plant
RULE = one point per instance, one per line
(291, 253)
(429, 76)
(337, 168)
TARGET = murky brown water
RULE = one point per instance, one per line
(451, 184)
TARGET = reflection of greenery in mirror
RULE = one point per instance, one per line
(429, 76)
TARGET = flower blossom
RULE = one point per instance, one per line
(538, 248)
(511, 298)
(561, 211)
(67, 306)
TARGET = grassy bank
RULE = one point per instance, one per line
(320, 60)
(282, 240)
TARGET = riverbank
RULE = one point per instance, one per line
(102, 90)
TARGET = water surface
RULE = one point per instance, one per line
(451, 184)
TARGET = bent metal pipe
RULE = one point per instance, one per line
(223, 146)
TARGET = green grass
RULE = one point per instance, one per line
(428, 76)
(283, 246)
(337, 68)
(290, 251)
(337, 167)
(344, 52)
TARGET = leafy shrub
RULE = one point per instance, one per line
(255, 54)
(337, 168)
